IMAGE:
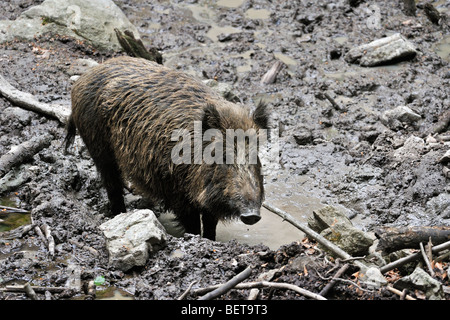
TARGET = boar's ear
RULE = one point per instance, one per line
(211, 117)
(261, 115)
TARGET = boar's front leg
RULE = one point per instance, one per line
(209, 226)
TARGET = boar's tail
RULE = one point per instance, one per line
(71, 131)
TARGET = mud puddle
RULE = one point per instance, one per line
(271, 230)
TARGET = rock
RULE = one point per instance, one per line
(421, 280)
(336, 227)
(411, 149)
(373, 278)
(87, 20)
(131, 236)
(398, 116)
(303, 137)
(382, 51)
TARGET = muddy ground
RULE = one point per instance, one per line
(349, 158)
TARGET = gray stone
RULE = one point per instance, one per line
(382, 51)
(131, 237)
(411, 149)
(87, 20)
(337, 228)
(421, 280)
(373, 278)
(398, 116)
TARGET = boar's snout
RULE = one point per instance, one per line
(250, 217)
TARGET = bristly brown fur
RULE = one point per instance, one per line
(126, 109)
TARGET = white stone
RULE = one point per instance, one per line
(131, 237)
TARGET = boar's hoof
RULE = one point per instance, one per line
(250, 217)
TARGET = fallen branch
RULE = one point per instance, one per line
(37, 289)
(41, 235)
(270, 76)
(135, 48)
(370, 273)
(17, 233)
(265, 276)
(23, 152)
(50, 241)
(400, 293)
(28, 101)
(309, 232)
(432, 13)
(333, 102)
(427, 261)
(12, 210)
(267, 284)
(413, 257)
(392, 239)
(83, 246)
(185, 293)
(30, 292)
(228, 285)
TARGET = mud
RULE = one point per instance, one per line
(348, 159)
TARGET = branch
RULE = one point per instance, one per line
(228, 285)
(393, 239)
(28, 101)
(23, 152)
(135, 48)
(267, 284)
(309, 232)
(412, 257)
(270, 76)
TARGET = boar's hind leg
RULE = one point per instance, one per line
(209, 226)
(111, 178)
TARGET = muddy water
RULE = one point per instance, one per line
(288, 195)
(12, 220)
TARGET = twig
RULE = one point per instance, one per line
(228, 285)
(331, 284)
(91, 290)
(185, 293)
(83, 246)
(427, 261)
(28, 101)
(41, 235)
(30, 292)
(333, 102)
(267, 284)
(50, 240)
(270, 76)
(413, 257)
(400, 293)
(13, 210)
(266, 276)
(309, 232)
(135, 48)
(432, 13)
(38, 289)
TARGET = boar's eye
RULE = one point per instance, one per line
(211, 117)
